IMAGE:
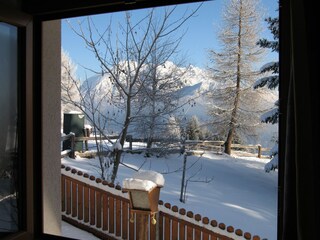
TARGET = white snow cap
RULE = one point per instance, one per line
(138, 184)
(74, 112)
(116, 146)
(153, 176)
(144, 180)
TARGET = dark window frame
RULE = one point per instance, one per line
(35, 12)
(16, 155)
(96, 7)
(22, 21)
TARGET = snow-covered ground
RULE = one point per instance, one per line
(230, 189)
(68, 230)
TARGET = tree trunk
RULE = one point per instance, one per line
(227, 144)
(153, 102)
(233, 120)
(183, 178)
(151, 133)
(122, 139)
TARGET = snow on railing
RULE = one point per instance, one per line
(103, 209)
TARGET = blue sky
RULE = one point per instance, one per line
(200, 36)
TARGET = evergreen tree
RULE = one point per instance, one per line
(193, 129)
(271, 82)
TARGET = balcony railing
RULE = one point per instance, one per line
(104, 210)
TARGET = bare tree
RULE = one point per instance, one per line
(192, 177)
(159, 97)
(88, 99)
(235, 106)
(123, 54)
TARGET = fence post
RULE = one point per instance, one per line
(182, 193)
(85, 141)
(259, 151)
(86, 134)
(72, 144)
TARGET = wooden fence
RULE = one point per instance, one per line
(217, 146)
(104, 210)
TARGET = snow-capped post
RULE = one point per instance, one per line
(144, 192)
(87, 132)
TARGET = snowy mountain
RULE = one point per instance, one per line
(195, 83)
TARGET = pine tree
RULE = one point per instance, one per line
(193, 129)
(271, 82)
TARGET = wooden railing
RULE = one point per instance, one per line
(216, 146)
(104, 210)
(257, 148)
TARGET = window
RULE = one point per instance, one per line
(16, 135)
(179, 118)
(10, 157)
(300, 177)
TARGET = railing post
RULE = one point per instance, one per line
(63, 193)
(142, 222)
(259, 151)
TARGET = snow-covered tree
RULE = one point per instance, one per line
(69, 91)
(85, 98)
(193, 130)
(159, 96)
(235, 107)
(173, 129)
(272, 82)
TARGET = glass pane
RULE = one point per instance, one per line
(8, 134)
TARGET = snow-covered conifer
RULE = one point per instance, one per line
(271, 82)
(69, 84)
(193, 130)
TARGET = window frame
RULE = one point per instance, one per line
(30, 20)
(96, 8)
(23, 22)
(284, 59)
